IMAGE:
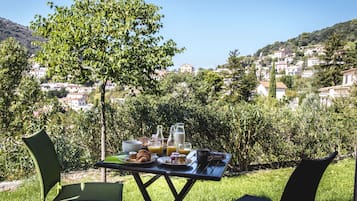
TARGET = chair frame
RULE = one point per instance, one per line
(48, 167)
(297, 189)
(308, 169)
(54, 178)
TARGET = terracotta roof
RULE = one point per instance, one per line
(279, 85)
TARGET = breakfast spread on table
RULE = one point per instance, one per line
(173, 151)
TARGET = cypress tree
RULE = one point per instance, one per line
(272, 82)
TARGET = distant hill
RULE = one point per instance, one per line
(348, 31)
(22, 33)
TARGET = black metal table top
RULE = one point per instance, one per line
(213, 170)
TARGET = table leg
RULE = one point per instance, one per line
(178, 196)
(185, 189)
(171, 185)
(141, 186)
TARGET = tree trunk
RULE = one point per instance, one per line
(103, 127)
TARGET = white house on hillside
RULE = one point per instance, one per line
(263, 89)
(327, 94)
(186, 68)
(281, 66)
(76, 101)
(307, 73)
(293, 70)
(313, 61)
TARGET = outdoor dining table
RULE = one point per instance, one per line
(213, 170)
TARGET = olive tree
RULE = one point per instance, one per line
(13, 63)
(102, 41)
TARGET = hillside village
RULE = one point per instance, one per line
(295, 57)
(286, 63)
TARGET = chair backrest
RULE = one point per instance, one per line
(305, 179)
(45, 158)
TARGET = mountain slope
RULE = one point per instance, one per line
(21, 33)
(348, 31)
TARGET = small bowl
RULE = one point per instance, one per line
(131, 145)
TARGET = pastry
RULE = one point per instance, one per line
(143, 156)
(181, 159)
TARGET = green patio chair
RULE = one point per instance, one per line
(303, 182)
(47, 165)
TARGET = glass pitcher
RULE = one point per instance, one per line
(179, 134)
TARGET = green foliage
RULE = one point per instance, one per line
(208, 86)
(242, 83)
(351, 54)
(288, 80)
(20, 97)
(204, 126)
(264, 131)
(104, 41)
(272, 82)
(329, 72)
(110, 40)
(204, 88)
(248, 129)
(13, 63)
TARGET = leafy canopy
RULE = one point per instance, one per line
(13, 62)
(114, 40)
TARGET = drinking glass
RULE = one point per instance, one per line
(184, 148)
(155, 147)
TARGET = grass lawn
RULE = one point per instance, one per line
(336, 184)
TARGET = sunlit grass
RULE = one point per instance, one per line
(336, 185)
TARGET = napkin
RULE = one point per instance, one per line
(118, 159)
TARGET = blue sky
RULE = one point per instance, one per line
(209, 29)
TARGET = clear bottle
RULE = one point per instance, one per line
(171, 147)
(159, 134)
(156, 144)
(179, 135)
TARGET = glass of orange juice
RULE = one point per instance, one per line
(155, 147)
(184, 148)
(170, 150)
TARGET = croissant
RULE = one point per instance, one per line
(143, 156)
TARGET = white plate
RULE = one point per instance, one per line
(165, 160)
